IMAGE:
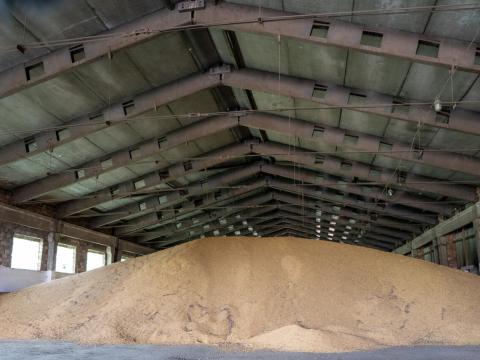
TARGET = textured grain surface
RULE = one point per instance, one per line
(280, 293)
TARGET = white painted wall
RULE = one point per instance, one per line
(17, 279)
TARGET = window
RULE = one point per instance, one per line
(30, 144)
(62, 134)
(26, 253)
(319, 91)
(318, 131)
(95, 259)
(428, 48)
(128, 107)
(370, 38)
(77, 53)
(34, 71)
(320, 29)
(65, 261)
(139, 184)
(124, 258)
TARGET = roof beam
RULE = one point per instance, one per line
(337, 96)
(200, 187)
(372, 192)
(123, 157)
(254, 169)
(156, 203)
(60, 61)
(302, 129)
(395, 43)
(109, 116)
(205, 202)
(251, 218)
(343, 212)
(308, 214)
(204, 223)
(362, 142)
(351, 202)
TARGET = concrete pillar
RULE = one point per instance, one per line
(6, 244)
(52, 240)
(476, 225)
(81, 257)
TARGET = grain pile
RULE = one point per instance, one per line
(280, 293)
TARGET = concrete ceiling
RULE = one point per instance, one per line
(39, 169)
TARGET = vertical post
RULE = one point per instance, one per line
(52, 240)
(476, 226)
(451, 251)
(6, 244)
(442, 250)
(81, 257)
(116, 251)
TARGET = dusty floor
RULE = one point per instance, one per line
(40, 350)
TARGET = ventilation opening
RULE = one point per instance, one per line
(187, 165)
(34, 71)
(115, 190)
(319, 91)
(162, 199)
(370, 38)
(428, 48)
(443, 116)
(401, 177)
(142, 206)
(318, 131)
(163, 174)
(77, 53)
(319, 159)
(62, 134)
(161, 140)
(30, 144)
(385, 147)
(139, 184)
(417, 153)
(198, 202)
(350, 140)
(79, 174)
(355, 98)
(320, 29)
(400, 107)
(477, 56)
(128, 107)
(135, 154)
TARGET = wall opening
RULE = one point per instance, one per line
(26, 252)
(95, 259)
(65, 260)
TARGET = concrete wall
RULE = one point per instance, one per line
(7, 231)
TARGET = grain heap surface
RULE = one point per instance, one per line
(280, 293)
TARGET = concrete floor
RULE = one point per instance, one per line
(20, 350)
